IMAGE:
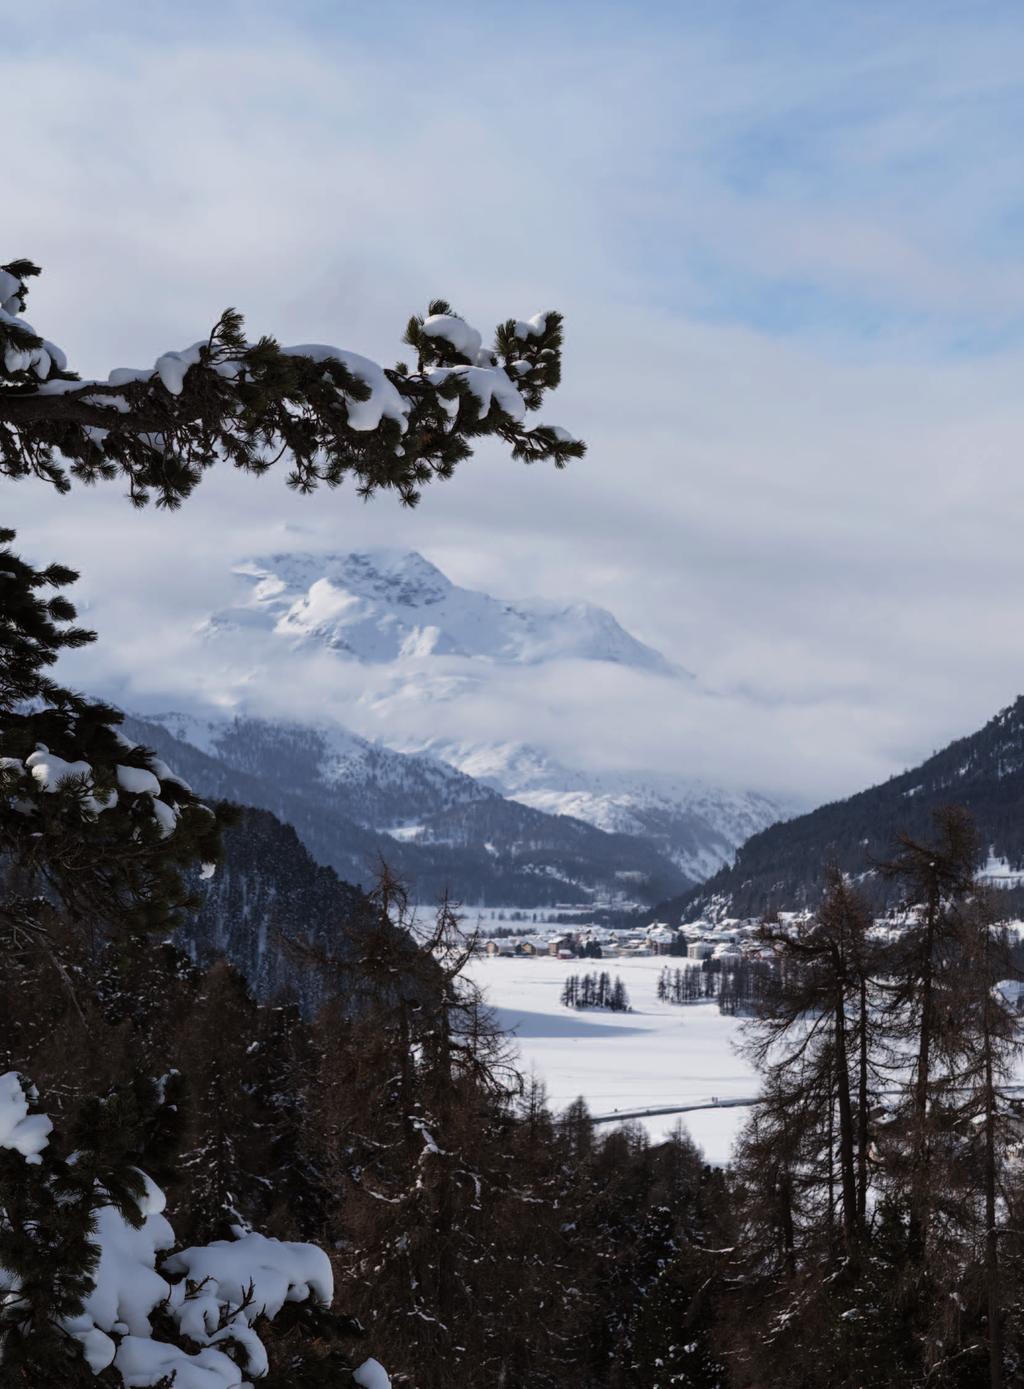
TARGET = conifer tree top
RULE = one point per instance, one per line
(95, 821)
(332, 412)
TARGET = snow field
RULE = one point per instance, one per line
(659, 1054)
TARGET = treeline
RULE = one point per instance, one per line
(866, 1236)
(739, 985)
(595, 991)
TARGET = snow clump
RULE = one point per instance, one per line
(386, 400)
(27, 1134)
(456, 331)
(371, 1374)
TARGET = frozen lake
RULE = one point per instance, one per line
(660, 1054)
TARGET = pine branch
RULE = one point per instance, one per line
(335, 414)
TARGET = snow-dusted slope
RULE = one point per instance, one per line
(699, 827)
(354, 803)
(378, 788)
(783, 868)
(388, 605)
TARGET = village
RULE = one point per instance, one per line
(731, 941)
(729, 947)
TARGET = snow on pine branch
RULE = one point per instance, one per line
(211, 1298)
(330, 411)
(152, 793)
(91, 820)
(20, 1131)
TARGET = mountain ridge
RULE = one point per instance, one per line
(782, 867)
(698, 826)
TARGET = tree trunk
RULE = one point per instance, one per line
(995, 1311)
(830, 1149)
(862, 1109)
(917, 1235)
(406, 1086)
(846, 1144)
(786, 1221)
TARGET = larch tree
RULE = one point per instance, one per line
(937, 878)
(989, 1121)
(818, 1025)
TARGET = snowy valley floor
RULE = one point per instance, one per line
(659, 1054)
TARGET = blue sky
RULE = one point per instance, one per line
(787, 239)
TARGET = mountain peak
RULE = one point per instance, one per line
(402, 577)
(385, 605)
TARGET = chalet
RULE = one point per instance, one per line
(563, 947)
(500, 947)
(662, 938)
(700, 950)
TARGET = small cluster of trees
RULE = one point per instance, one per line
(679, 946)
(739, 985)
(595, 991)
(692, 985)
(743, 985)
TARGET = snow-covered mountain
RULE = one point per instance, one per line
(386, 605)
(384, 642)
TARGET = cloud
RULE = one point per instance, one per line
(787, 253)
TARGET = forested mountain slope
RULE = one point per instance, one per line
(267, 892)
(782, 867)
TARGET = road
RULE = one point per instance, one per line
(617, 1115)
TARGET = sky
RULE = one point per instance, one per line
(787, 242)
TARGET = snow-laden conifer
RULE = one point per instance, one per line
(90, 824)
(331, 412)
(90, 1280)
